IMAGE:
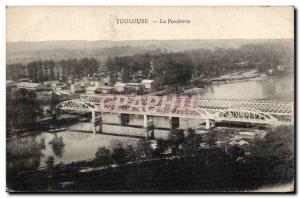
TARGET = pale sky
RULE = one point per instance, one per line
(98, 23)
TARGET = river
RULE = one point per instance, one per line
(265, 87)
(69, 146)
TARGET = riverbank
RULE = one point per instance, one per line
(211, 170)
(46, 124)
(234, 160)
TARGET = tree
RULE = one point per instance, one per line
(176, 138)
(211, 139)
(23, 109)
(275, 153)
(54, 111)
(161, 147)
(191, 144)
(50, 162)
(144, 150)
(119, 154)
(172, 69)
(57, 145)
(103, 156)
(130, 153)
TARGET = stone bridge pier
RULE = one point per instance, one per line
(148, 127)
(96, 122)
(210, 123)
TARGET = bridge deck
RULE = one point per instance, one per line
(188, 107)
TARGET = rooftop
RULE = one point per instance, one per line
(10, 82)
(134, 84)
(147, 81)
(106, 87)
(120, 84)
(28, 84)
(92, 88)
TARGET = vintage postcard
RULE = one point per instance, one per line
(150, 99)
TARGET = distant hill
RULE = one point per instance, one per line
(57, 50)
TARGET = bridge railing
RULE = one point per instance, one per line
(272, 107)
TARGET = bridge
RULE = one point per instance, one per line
(177, 106)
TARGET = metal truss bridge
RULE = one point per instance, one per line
(249, 111)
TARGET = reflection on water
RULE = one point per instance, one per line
(24, 153)
(270, 88)
(57, 145)
(65, 147)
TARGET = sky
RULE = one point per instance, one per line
(99, 23)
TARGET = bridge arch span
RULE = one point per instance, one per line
(245, 115)
(76, 105)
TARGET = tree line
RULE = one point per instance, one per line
(177, 67)
(40, 71)
(168, 68)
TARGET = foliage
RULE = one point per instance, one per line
(191, 143)
(50, 162)
(211, 139)
(119, 153)
(277, 149)
(103, 156)
(57, 145)
(172, 69)
(161, 148)
(268, 162)
(40, 71)
(22, 109)
(176, 138)
(144, 150)
(131, 153)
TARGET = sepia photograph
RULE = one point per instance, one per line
(150, 99)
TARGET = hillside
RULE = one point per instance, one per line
(18, 52)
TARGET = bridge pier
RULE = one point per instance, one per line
(97, 123)
(148, 127)
(209, 123)
(123, 119)
(173, 123)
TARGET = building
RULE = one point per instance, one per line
(105, 90)
(270, 71)
(25, 80)
(61, 88)
(32, 86)
(99, 83)
(91, 89)
(11, 84)
(137, 88)
(56, 85)
(70, 80)
(147, 83)
(75, 88)
(280, 68)
(11, 87)
(85, 85)
(120, 87)
(107, 80)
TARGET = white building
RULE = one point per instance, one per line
(10, 83)
(91, 89)
(120, 87)
(56, 85)
(106, 89)
(76, 87)
(84, 85)
(99, 83)
(32, 86)
(147, 83)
